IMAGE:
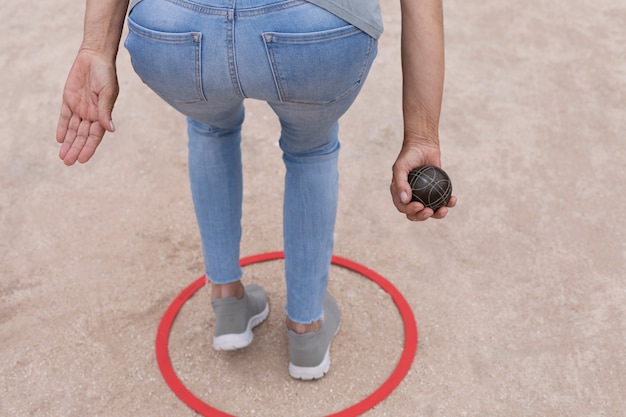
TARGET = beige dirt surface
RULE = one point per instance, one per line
(519, 294)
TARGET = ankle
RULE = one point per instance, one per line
(233, 289)
(301, 328)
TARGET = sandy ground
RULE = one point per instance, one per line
(519, 294)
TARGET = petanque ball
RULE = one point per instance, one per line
(431, 186)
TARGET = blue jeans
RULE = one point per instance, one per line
(204, 58)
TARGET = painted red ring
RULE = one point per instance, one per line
(400, 371)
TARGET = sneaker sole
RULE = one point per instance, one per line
(235, 341)
(309, 373)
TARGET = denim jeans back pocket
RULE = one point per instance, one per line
(169, 63)
(319, 67)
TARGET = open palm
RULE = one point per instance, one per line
(88, 98)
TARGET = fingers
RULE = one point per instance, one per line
(413, 210)
(71, 130)
(416, 212)
(64, 120)
(451, 202)
(427, 213)
(96, 132)
(81, 139)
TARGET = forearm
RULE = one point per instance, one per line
(104, 20)
(422, 68)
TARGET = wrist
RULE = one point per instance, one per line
(100, 43)
(420, 120)
(422, 134)
(98, 52)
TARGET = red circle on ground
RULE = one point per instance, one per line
(400, 371)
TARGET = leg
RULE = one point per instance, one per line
(310, 152)
(310, 209)
(317, 73)
(216, 186)
(174, 57)
(310, 145)
(317, 78)
(216, 183)
(309, 65)
(191, 72)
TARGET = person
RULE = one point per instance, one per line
(308, 60)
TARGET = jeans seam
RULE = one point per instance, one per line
(272, 62)
(257, 11)
(200, 8)
(276, 7)
(198, 67)
(349, 31)
(232, 55)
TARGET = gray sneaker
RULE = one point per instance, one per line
(235, 319)
(309, 353)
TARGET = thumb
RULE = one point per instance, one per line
(401, 189)
(106, 101)
(106, 119)
(402, 196)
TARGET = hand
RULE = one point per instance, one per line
(415, 154)
(88, 98)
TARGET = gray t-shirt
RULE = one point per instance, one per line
(364, 14)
